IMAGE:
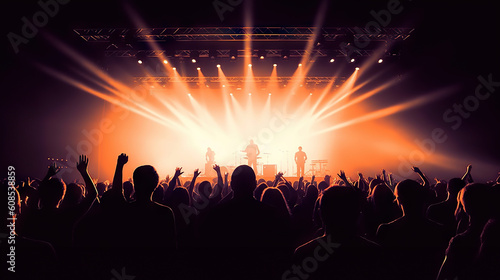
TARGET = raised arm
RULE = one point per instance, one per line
(422, 176)
(196, 173)
(117, 187)
(53, 170)
(172, 183)
(343, 177)
(82, 166)
(220, 184)
(226, 190)
(467, 178)
(362, 185)
(277, 178)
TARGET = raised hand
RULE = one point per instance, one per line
(196, 173)
(53, 169)
(469, 168)
(342, 175)
(122, 159)
(216, 168)
(178, 172)
(416, 169)
(82, 164)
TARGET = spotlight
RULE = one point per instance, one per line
(269, 94)
(310, 93)
(223, 85)
(261, 54)
(198, 68)
(249, 93)
(139, 61)
(300, 64)
(218, 65)
(380, 60)
(173, 68)
(275, 65)
(332, 60)
(285, 54)
(165, 61)
(357, 68)
(233, 54)
(352, 60)
(231, 94)
(194, 55)
(249, 65)
(189, 94)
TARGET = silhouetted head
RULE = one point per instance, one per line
(243, 181)
(441, 191)
(411, 195)
(373, 183)
(382, 196)
(128, 190)
(340, 208)
(145, 181)
(274, 197)
(158, 194)
(205, 189)
(454, 186)
(257, 194)
(476, 201)
(73, 196)
(300, 148)
(51, 193)
(101, 188)
(251, 141)
(180, 196)
(311, 194)
(322, 186)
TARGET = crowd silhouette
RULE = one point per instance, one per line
(239, 226)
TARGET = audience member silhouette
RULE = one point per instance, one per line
(244, 234)
(340, 253)
(413, 244)
(30, 259)
(239, 228)
(461, 256)
(444, 212)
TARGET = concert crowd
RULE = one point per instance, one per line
(240, 226)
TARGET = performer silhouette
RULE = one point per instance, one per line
(252, 151)
(300, 160)
(210, 158)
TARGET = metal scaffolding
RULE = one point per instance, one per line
(125, 42)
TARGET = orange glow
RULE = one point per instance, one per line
(170, 126)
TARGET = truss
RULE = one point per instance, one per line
(238, 80)
(241, 33)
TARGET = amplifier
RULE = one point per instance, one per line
(270, 170)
